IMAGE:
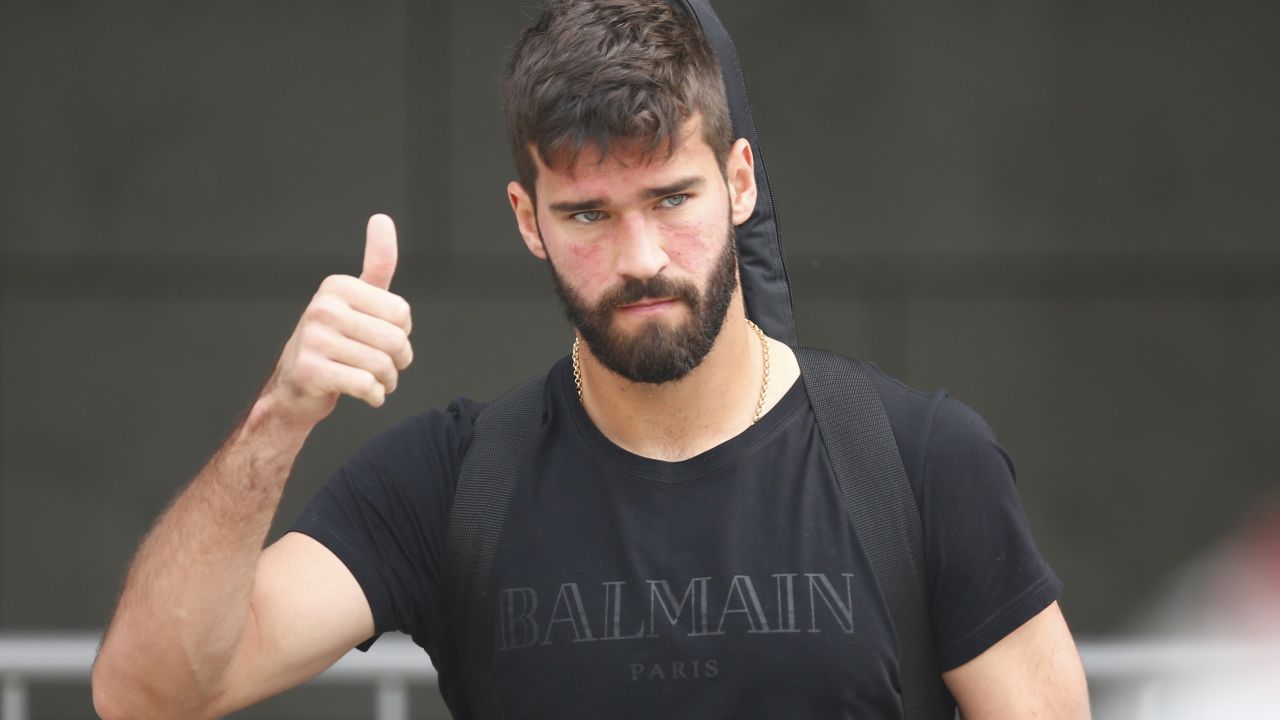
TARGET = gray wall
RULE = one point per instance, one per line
(1063, 212)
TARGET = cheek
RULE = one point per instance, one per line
(588, 265)
(691, 246)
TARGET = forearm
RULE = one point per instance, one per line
(186, 599)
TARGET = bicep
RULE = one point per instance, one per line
(307, 611)
(1034, 671)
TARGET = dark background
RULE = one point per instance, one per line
(1064, 212)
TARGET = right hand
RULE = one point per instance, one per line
(352, 339)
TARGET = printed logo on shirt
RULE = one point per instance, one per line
(704, 607)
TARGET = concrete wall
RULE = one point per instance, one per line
(1063, 212)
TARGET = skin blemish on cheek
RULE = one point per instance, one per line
(585, 252)
(590, 261)
(690, 242)
(585, 265)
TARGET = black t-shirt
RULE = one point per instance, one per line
(728, 584)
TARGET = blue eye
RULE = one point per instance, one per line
(674, 200)
(588, 216)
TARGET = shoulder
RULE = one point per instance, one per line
(436, 442)
(452, 425)
(428, 445)
(933, 429)
(448, 429)
(928, 427)
(939, 436)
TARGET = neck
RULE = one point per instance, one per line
(680, 419)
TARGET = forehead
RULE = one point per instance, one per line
(624, 165)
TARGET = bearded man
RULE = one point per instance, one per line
(676, 545)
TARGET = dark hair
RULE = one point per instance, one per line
(596, 72)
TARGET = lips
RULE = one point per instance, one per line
(648, 305)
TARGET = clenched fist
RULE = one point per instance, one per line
(352, 339)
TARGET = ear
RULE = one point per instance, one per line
(740, 173)
(526, 218)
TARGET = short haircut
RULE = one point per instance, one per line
(611, 72)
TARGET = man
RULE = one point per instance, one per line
(676, 545)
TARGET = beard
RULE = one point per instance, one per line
(657, 352)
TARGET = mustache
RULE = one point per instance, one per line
(658, 287)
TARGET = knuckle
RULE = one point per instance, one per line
(403, 314)
(328, 285)
(357, 387)
(307, 368)
(335, 282)
(385, 366)
(323, 309)
(310, 335)
(394, 340)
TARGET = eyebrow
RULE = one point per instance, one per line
(679, 186)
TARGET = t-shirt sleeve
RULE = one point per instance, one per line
(986, 575)
(384, 514)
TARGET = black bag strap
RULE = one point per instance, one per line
(868, 467)
(762, 267)
(499, 440)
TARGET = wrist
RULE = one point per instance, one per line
(275, 419)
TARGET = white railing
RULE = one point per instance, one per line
(390, 666)
(1149, 670)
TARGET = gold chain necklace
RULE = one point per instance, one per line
(764, 384)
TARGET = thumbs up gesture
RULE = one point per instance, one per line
(352, 339)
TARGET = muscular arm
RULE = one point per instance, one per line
(207, 621)
(1034, 672)
(190, 605)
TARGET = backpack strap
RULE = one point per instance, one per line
(499, 441)
(868, 467)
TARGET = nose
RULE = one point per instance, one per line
(639, 248)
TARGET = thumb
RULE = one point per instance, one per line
(379, 252)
